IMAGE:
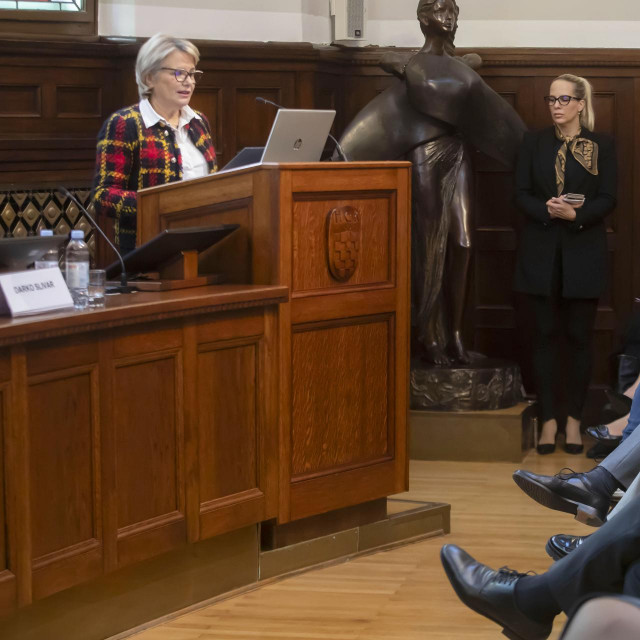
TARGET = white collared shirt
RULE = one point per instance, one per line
(193, 163)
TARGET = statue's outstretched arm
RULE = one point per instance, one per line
(394, 62)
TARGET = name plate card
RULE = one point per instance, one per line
(24, 293)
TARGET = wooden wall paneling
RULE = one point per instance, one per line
(329, 94)
(53, 104)
(361, 90)
(150, 488)
(490, 320)
(209, 99)
(246, 123)
(7, 576)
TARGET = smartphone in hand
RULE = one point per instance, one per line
(573, 198)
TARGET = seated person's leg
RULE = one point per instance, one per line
(608, 617)
(586, 495)
(526, 605)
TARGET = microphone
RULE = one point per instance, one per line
(341, 153)
(124, 286)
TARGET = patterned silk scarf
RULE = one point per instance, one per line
(585, 151)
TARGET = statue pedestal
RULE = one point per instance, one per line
(504, 435)
(484, 384)
(470, 412)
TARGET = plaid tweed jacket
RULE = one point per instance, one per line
(131, 156)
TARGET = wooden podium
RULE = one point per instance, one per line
(160, 451)
(338, 236)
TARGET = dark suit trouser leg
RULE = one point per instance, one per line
(601, 563)
(578, 319)
(546, 316)
(573, 317)
(623, 463)
(632, 580)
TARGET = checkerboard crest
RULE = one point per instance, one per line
(344, 231)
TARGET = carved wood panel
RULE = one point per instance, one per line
(147, 389)
(227, 396)
(66, 530)
(342, 371)
(313, 247)
(7, 577)
(233, 414)
(63, 485)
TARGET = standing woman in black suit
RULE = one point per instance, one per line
(562, 257)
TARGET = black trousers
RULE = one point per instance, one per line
(554, 318)
(607, 562)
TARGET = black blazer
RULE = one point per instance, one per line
(580, 244)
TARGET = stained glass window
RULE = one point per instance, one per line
(43, 5)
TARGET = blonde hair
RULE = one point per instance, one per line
(152, 54)
(584, 91)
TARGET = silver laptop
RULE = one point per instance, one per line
(297, 135)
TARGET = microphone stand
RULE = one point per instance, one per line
(341, 153)
(124, 286)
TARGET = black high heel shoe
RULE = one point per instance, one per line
(573, 449)
(546, 449)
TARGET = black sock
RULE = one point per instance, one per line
(534, 598)
(604, 481)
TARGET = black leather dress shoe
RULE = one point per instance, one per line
(562, 545)
(568, 492)
(490, 593)
(601, 434)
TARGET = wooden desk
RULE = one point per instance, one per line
(168, 419)
(134, 430)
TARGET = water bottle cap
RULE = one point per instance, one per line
(46, 232)
(77, 234)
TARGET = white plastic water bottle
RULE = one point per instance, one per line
(50, 258)
(77, 268)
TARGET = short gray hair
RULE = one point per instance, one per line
(153, 52)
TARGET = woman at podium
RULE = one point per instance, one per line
(161, 139)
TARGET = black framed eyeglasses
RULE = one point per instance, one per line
(182, 74)
(563, 100)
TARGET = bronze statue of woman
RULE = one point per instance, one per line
(439, 105)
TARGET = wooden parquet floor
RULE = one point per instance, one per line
(401, 594)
